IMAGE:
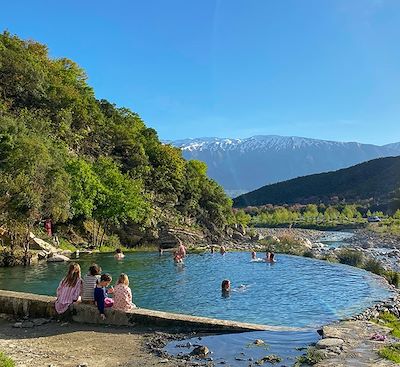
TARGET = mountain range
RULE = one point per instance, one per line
(242, 165)
(376, 182)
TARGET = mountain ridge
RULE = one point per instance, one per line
(243, 165)
(375, 181)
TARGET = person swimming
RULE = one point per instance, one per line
(222, 250)
(254, 257)
(225, 287)
(270, 257)
(119, 254)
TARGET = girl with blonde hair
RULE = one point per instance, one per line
(123, 294)
(69, 289)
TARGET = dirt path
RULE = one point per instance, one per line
(72, 345)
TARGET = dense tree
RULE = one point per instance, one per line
(66, 156)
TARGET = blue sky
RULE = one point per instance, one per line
(230, 68)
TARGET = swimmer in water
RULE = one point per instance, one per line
(181, 249)
(118, 254)
(271, 258)
(254, 255)
(225, 288)
(222, 250)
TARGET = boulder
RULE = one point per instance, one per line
(57, 258)
(237, 236)
(200, 351)
(38, 244)
(329, 343)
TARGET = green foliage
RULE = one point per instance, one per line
(391, 352)
(374, 266)
(313, 356)
(392, 322)
(6, 361)
(377, 179)
(350, 257)
(66, 156)
(311, 215)
(242, 218)
(393, 277)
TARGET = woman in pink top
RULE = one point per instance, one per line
(123, 294)
(70, 288)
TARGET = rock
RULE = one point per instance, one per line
(272, 358)
(43, 254)
(200, 351)
(40, 321)
(165, 360)
(57, 258)
(27, 325)
(38, 244)
(18, 325)
(306, 243)
(241, 229)
(237, 236)
(329, 343)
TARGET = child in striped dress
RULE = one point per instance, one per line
(89, 283)
(123, 294)
(69, 289)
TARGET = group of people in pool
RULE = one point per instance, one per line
(269, 257)
(94, 288)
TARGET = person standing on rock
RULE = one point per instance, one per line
(47, 227)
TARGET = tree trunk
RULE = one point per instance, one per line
(104, 232)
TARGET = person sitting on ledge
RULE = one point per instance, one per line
(123, 294)
(89, 283)
(101, 297)
(119, 254)
(69, 289)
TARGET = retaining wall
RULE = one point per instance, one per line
(26, 304)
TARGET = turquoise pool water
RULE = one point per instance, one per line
(294, 291)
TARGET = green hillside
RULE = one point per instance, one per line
(376, 182)
(70, 157)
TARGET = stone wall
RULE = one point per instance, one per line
(36, 306)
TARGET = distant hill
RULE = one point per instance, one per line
(242, 165)
(374, 181)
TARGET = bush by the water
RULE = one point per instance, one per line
(391, 352)
(285, 244)
(350, 257)
(374, 266)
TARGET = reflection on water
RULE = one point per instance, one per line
(294, 291)
(239, 350)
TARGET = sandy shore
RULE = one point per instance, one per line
(58, 344)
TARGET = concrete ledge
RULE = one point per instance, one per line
(33, 305)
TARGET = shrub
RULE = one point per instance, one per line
(6, 361)
(350, 257)
(393, 277)
(391, 352)
(374, 266)
(308, 253)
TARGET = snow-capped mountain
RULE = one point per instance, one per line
(241, 165)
